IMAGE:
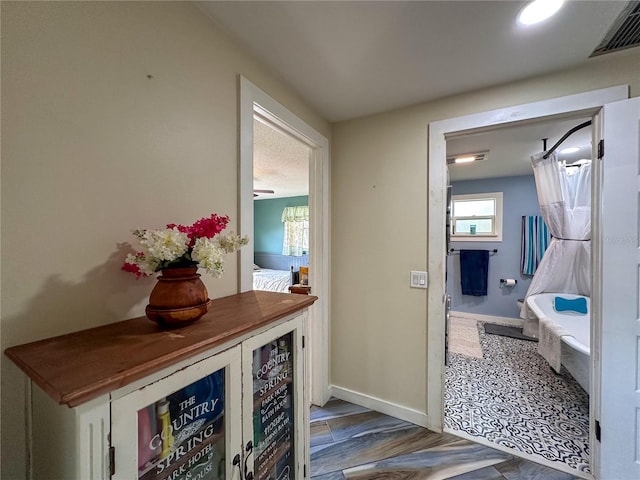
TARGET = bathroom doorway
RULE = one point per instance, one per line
(516, 402)
(609, 109)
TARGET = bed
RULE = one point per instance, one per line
(276, 273)
(271, 280)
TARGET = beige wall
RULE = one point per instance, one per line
(93, 148)
(379, 228)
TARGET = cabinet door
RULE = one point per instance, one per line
(273, 413)
(186, 426)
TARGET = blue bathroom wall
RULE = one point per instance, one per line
(268, 229)
(519, 198)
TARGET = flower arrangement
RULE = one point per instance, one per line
(176, 246)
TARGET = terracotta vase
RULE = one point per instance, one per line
(178, 298)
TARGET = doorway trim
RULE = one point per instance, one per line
(586, 104)
(254, 100)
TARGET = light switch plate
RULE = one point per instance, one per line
(418, 279)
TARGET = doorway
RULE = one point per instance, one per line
(254, 101)
(516, 401)
(587, 104)
(281, 207)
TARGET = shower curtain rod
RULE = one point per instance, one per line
(564, 137)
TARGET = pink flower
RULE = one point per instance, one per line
(181, 228)
(174, 247)
(133, 268)
(209, 227)
(203, 228)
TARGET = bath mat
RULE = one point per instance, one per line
(507, 331)
(463, 337)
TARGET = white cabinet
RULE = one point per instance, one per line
(237, 414)
(183, 426)
(221, 399)
(274, 394)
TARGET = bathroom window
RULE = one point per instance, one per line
(477, 217)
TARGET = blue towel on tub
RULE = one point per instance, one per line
(474, 269)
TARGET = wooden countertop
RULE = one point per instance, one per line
(80, 366)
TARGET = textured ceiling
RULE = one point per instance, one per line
(280, 163)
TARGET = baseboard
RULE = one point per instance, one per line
(398, 411)
(516, 322)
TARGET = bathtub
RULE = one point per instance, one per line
(576, 347)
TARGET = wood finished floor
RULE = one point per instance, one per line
(352, 442)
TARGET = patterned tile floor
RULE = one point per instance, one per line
(352, 442)
(513, 399)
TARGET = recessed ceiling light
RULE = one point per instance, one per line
(539, 10)
(569, 150)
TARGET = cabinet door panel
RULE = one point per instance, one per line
(273, 368)
(183, 427)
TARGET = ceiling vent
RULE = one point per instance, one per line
(624, 33)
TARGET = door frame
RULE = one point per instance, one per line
(254, 100)
(616, 253)
(584, 104)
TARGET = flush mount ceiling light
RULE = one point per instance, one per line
(539, 10)
(464, 159)
(467, 157)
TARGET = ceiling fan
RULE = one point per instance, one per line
(256, 191)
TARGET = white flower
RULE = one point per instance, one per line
(231, 242)
(146, 265)
(179, 246)
(165, 245)
(209, 256)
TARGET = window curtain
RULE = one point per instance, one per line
(564, 194)
(296, 231)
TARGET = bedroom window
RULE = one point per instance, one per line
(477, 217)
(296, 231)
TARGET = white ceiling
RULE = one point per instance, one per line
(510, 148)
(354, 58)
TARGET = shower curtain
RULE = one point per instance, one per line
(564, 194)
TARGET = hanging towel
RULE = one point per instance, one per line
(474, 268)
(550, 342)
(535, 240)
